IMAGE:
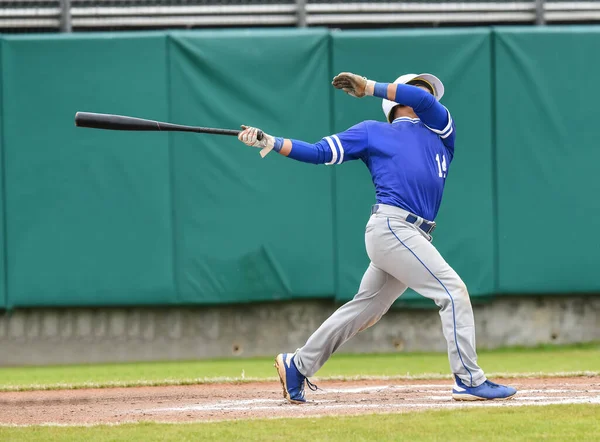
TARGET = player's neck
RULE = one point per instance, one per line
(405, 112)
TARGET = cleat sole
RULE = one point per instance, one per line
(279, 365)
(470, 397)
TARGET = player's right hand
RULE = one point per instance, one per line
(249, 136)
(350, 83)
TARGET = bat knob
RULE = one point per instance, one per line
(259, 135)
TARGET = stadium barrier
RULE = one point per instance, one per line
(100, 218)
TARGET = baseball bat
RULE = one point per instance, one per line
(121, 122)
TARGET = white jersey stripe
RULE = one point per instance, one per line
(398, 120)
(439, 132)
(447, 129)
(449, 125)
(341, 149)
(334, 154)
(447, 134)
(415, 120)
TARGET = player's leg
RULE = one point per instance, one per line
(407, 255)
(376, 294)
(410, 257)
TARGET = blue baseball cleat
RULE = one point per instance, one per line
(485, 392)
(291, 379)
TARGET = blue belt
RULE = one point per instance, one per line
(425, 226)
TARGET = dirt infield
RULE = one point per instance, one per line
(264, 399)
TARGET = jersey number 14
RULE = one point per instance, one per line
(441, 165)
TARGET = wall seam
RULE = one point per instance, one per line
(334, 230)
(173, 215)
(3, 181)
(494, 133)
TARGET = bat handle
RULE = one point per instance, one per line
(259, 133)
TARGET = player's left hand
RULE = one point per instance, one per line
(249, 136)
(350, 83)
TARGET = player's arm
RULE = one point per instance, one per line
(348, 145)
(431, 112)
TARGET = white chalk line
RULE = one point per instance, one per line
(560, 390)
(323, 407)
(386, 387)
(303, 408)
(225, 404)
(231, 405)
(518, 397)
(367, 389)
(327, 404)
(527, 396)
(431, 389)
(444, 388)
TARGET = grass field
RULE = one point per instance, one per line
(550, 423)
(543, 360)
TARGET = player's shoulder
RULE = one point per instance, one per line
(375, 125)
(364, 127)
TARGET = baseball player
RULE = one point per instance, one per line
(409, 157)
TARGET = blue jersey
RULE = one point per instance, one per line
(408, 159)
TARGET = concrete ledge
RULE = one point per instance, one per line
(86, 335)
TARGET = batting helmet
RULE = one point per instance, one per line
(435, 83)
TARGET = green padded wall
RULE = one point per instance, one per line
(250, 229)
(88, 211)
(548, 156)
(461, 58)
(91, 217)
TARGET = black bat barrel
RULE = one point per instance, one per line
(118, 122)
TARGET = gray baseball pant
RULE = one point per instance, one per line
(401, 256)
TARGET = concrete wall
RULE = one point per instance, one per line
(64, 336)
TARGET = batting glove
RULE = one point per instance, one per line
(353, 84)
(249, 136)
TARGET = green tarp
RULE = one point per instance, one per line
(547, 159)
(250, 229)
(87, 211)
